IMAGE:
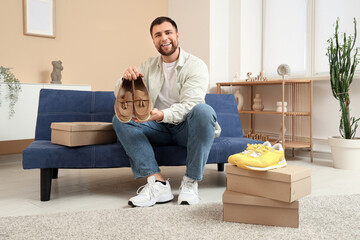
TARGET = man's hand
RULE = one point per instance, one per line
(132, 74)
(155, 115)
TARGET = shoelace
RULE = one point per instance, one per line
(144, 190)
(256, 150)
(186, 186)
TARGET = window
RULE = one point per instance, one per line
(296, 32)
(326, 13)
(284, 37)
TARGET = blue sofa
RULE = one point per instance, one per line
(87, 106)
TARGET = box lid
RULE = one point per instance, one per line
(290, 173)
(244, 199)
(82, 126)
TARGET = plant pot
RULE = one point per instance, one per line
(345, 152)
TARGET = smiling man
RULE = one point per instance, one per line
(177, 82)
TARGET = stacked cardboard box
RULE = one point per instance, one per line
(268, 198)
(73, 134)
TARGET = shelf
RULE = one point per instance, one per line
(272, 82)
(274, 112)
(297, 145)
(292, 144)
(297, 120)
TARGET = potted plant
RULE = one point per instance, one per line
(345, 149)
(13, 88)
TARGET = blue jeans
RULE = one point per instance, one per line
(196, 133)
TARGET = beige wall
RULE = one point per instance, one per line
(192, 18)
(95, 39)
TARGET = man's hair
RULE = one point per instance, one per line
(160, 20)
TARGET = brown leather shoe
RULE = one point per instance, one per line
(142, 101)
(124, 102)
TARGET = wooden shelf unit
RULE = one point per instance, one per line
(299, 95)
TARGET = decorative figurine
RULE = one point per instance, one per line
(279, 106)
(239, 100)
(236, 77)
(258, 105)
(283, 69)
(259, 77)
(56, 73)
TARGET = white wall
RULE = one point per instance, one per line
(22, 125)
(219, 42)
(326, 115)
(251, 37)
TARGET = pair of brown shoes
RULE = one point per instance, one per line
(133, 99)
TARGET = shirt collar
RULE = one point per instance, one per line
(180, 61)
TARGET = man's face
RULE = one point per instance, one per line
(165, 38)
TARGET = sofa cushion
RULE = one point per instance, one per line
(87, 106)
(227, 114)
(72, 106)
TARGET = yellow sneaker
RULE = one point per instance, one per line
(260, 157)
(252, 150)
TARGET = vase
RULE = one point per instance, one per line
(279, 106)
(239, 100)
(345, 153)
(258, 105)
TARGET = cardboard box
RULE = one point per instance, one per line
(74, 134)
(284, 184)
(242, 208)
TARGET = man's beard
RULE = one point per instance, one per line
(173, 49)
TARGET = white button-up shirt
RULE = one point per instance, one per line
(192, 81)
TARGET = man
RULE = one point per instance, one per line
(177, 84)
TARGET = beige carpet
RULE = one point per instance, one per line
(328, 217)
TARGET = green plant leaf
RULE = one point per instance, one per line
(342, 69)
(13, 89)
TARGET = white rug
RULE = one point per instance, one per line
(326, 217)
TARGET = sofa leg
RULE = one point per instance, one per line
(45, 183)
(220, 167)
(55, 172)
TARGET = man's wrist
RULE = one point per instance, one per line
(161, 116)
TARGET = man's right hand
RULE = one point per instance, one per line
(132, 74)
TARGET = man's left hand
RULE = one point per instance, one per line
(155, 115)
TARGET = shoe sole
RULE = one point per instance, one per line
(167, 199)
(279, 165)
(183, 202)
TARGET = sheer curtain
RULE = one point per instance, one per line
(326, 13)
(285, 36)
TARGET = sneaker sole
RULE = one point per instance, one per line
(279, 165)
(187, 203)
(183, 202)
(150, 204)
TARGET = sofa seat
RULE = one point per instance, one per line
(44, 154)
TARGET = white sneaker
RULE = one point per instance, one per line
(151, 193)
(188, 192)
